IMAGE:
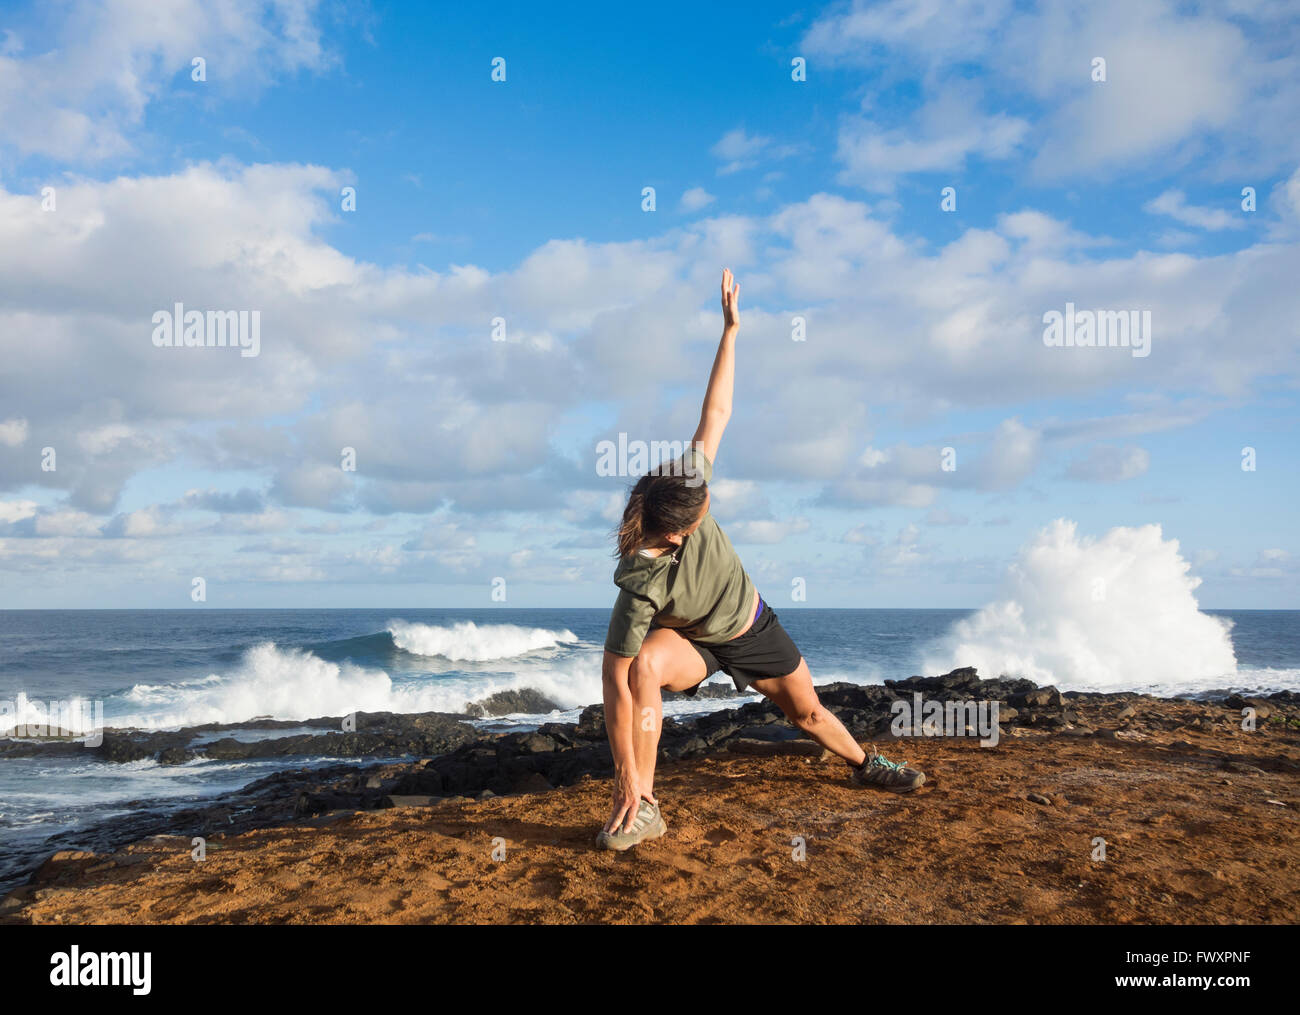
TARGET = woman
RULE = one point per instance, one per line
(686, 609)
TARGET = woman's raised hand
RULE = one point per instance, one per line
(730, 301)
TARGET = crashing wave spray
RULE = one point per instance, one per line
(271, 681)
(1101, 614)
(290, 683)
(469, 642)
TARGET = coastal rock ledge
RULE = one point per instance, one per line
(432, 759)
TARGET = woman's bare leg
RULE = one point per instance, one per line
(795, 697)
(666, 660)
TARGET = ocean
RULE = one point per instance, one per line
(170, 668)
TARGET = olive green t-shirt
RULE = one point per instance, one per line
(701, 590)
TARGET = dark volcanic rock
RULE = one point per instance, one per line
(591, 724)
(560, 732)
(121, 748)
(396, 736)
(774, 732)
(959, 679)
(27, 747)
(532, 782)
(381, 734)
(1263, 709)
(505, 764)
(708, 690)
(1039, 697)
(536, 743)
(412, 801)
(687, 748)
(524, 701)
(859, 696)
(963, 683)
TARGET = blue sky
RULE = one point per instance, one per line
(522, 199)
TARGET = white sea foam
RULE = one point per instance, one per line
(470, 642)
(296, 684)
(1108, 613)
(269, 681)
(74, 715)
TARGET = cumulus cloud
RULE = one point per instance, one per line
(84, 96)
(911, 475)
(13, 432)
(889, 320)
(943, 135)
(244, 501)
(737, 149)
(768, 531)
(695, 199)
(1176, 76)
(1174, 204)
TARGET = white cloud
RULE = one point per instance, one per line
(768, 531)
(695, 199)
(890, 321)
(67, 523)
(900, 554)
(738, 498)
(439, 414)
(1012, 454)
(739, 150)
(942, 136)
(150, 522)
(945, 29)
(1174, 204)
(13, 432)
(84, 97)
(16, 510)
(1178, 78)
(864, 534)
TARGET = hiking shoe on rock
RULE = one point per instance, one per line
(879, 771)
(648, 824)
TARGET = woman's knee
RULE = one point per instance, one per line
(807, 714)
(647, 670)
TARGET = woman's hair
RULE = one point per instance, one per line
(663, 501)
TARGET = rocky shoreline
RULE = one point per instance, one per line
(424, 759)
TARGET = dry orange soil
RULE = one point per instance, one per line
(1186, 841)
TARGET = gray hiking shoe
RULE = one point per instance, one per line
(648, 824)
(879, 771)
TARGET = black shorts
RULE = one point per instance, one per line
(765, 650)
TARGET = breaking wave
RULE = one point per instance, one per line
(1115, 612)
(470, 642)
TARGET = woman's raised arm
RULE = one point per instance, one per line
(717, 398)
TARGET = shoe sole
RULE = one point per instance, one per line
(892, 789)
(653, 832)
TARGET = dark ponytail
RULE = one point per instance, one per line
(630, 533)
(662, 502)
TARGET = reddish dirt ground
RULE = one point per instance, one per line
(1187, 841)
